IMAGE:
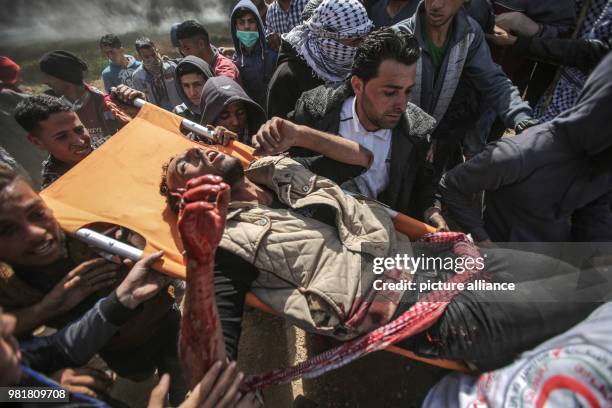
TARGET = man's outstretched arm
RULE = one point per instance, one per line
(495, 86)
(498, 165)
(78, 284)
(279, 135)
(77, 343)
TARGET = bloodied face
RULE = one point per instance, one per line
(199, 161)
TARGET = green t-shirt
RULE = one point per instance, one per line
(437, 53)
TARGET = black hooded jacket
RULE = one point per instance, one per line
(291, 79)
(257, 65)
(188, 109)
(221, 91)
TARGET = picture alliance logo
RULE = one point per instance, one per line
(427, 263)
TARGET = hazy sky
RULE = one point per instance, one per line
(26, 21)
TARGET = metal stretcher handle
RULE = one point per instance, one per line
(108, 244)
(187, 124)
(111, 245)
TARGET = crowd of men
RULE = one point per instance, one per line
(487, 117)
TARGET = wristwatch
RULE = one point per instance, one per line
(524, 124)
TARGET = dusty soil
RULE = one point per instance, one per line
(379, 380)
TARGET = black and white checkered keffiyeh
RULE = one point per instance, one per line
(316, 40)
(310, 8)
(597, 26)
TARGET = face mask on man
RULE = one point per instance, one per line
(339, 54)
(247, 38)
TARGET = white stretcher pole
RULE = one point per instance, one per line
(187, 124)
(111, 245)
(108, 244)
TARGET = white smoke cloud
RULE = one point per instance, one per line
(24, 22)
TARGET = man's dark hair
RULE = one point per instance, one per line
(143, 42)
(243, 11)
(184, 69)
(110, 40)
(172, 200)
(382, 44)
(190, 29)
(7, 176)
(33, 110)
(310, 8)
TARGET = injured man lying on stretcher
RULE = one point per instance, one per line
(299, 243)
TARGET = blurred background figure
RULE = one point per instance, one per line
(16, 151)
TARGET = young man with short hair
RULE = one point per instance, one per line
(254, 58)
(455, 47)
(121, 66)
(64, 73)
(79, 341)
(226, 107)
(373, 110)
(193, 40)
(155, 77)
(190, 76)
(54, 127)
(293, 237)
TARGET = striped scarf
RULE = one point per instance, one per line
(419, 317)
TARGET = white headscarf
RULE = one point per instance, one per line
(316, 40)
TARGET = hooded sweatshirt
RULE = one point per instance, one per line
(551, 183)
(188, 109)
(257, 65)
(218, 93)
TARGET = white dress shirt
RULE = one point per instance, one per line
(376, 179)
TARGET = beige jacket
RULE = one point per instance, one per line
(314, 274)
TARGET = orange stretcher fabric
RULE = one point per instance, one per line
(119, 182)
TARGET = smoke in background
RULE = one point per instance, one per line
(27, 21)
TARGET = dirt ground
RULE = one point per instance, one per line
(381, 380)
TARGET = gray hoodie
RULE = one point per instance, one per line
(468, 53)
(188, 109)
(221, 91)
